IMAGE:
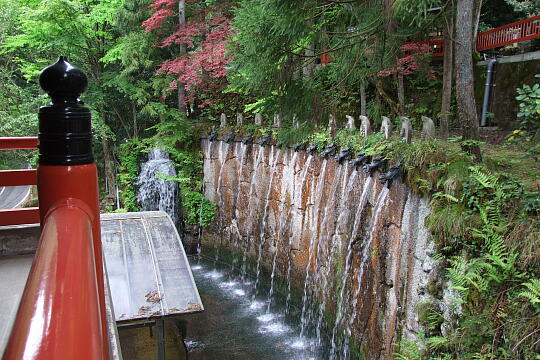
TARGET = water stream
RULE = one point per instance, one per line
(313, 233)
(155, 192)
(236, 326)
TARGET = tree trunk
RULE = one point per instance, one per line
(464, 76)
(448, 69)
(108, 161)
(384, 95)
(400, 92)
(363, 106)
(476, 20)
(181, 90)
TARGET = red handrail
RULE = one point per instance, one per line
(518, 31)
(19, 216)
(30, 142)
(62, 313)
(526, 29)
(59, 316)
(18, 178)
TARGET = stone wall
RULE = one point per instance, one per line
(357, 250)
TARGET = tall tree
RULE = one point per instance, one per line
(448, 70)
(206, 33)
(464, 76)
(181, 89)
(83, 32)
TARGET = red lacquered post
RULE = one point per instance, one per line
(66, 163)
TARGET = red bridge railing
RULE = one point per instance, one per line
(18, 178)
(62, 312)
(515, 32)
(59, 315)
(518, 31)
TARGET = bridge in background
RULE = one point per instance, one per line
(522, 30)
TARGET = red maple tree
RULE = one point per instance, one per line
(408, 64)
(202, 69)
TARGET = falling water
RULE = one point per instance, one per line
(297, 201)
(222, 156)
(286, 182)
(327, 247)
(356, 226)
(300, 210)
(156, 193)
(262, 231)
(366, 253)
(317, 197)
(236, 237)
(252, 200)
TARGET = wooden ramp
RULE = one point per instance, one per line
(148, 271)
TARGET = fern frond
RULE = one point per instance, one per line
(533, 291)
(487, 181)
(436, 342)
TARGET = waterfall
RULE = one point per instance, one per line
(356, 226)
(156, 193)
(317, 198)
(364, 259)
(272, 161)
(326, 249)
(297, 202)
(325, 230)
(222, 157)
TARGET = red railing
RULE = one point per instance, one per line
(518, 31)
(515, 32)
(59, 316)
(18, 178)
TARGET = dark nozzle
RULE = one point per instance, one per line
(343, 156)
(358, 161)
(376, 164)
(329, 151)
(299, 146)
(248, 139)
(213, 135)
(393, 173)
(265, 140)
(230, 138)
(312, 149)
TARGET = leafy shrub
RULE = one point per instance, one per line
(529, 106)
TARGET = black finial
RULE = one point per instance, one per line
(65, 131)
(63, 81)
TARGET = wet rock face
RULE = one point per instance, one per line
(361, 247)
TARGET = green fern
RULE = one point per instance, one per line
(435, 343)
(485, 180)
(532, 293)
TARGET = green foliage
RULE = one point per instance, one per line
(289, 135)
(199, 210)
(525, 7)
(130, 156)
(529, 106)
(532, 293)
(408, 350)
(180, 139)
(528, 136)
(321, 139)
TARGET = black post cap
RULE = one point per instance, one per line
(65, 133)
(63, 81)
